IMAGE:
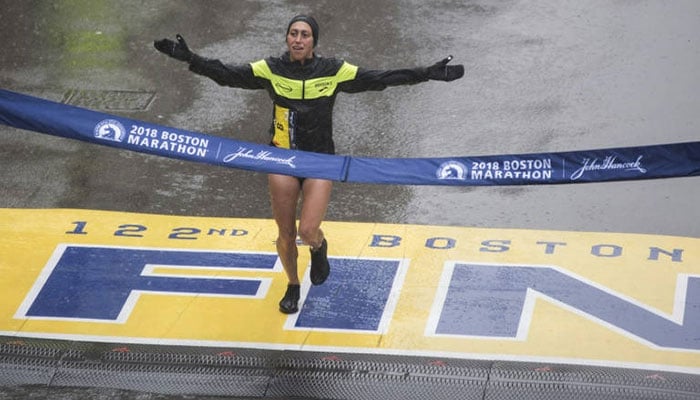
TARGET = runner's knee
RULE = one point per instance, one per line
(310, 235)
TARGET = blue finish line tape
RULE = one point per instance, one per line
(626, 163)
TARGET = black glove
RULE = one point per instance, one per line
(177, 50)
(440, 71)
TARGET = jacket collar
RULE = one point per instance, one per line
(297, 64)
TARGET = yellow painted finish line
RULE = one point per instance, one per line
(571, 297)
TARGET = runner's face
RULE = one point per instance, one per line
(300, 41)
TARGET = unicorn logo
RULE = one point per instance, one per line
(110, 129)
(452, 170)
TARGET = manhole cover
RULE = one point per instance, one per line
(110, 100)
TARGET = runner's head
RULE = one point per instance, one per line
(310, 21)
(302, 35)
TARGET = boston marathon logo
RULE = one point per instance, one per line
(452, 170)
(110, 129)
(152, 138)
(500, 170)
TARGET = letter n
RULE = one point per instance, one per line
(497, 301)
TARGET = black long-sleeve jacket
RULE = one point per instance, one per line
(304, 94)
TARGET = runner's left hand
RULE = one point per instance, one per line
(440, 71)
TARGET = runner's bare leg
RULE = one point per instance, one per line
(284, 196)
(316, 196)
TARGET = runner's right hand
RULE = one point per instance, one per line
(177, 50)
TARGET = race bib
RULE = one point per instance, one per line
(284, 128)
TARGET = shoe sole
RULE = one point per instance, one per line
(286, 311)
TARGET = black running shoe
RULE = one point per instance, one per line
(320, 269)
(288, 304)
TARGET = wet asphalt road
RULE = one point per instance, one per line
(552, 76)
